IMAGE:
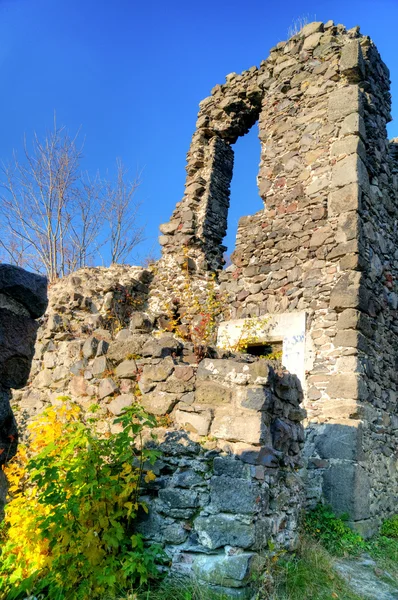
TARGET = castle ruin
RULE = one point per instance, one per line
(318, 264)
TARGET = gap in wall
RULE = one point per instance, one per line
(245, 199)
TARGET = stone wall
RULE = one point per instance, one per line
(324, 244)
(229, 426)
(23, 298)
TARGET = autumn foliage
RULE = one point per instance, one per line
(74, 496)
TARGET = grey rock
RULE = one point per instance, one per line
(216, 531)
(90, 347)
(117, 405)
(106, 388)
(27, 288)
(126, 369)
(221, 569)
(233, 494)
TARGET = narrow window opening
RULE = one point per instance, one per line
(244, 198)
(269, 350)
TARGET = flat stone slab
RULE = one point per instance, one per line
(361, 576)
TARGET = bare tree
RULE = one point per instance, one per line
(122, 211)
(53, 216)
(38, 194)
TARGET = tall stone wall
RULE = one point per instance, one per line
(23, 298)
(325, 244)
(229, 426)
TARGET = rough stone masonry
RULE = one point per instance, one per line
(23, 298)
(320, 261)
(325, 244)
(229, 426)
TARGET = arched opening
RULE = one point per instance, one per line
(244, 197)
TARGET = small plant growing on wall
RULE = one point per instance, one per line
(195, 312)
(74, 496)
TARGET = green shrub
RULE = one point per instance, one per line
(333, 532)
(69, 527)
(390, 527)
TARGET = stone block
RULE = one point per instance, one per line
(243, 427)
(106, 387)
(126, 369)
(179, 498)
(212, 393)
(120, 349)
(346, 487)
(311, 28)
(17, 338)
(99, 366)
(344, 385)
(344, 199)
(139, 321)
(223, 569)
(312, 41)
(352, 64)
(103, 346)
(161, 347)
(197, 422)
(117, 405)
(350, 144)
(350, 169)
(340, 409)
(187, 479)
(227, 465)
(257, 398)
(159, 403)
(27, 288)
(351, 338)
(346, 292)
(348, 319)
(233, 494)
(90, 346)
(343, 102)
(340, 441)
(216, 531)
(353, 125)
(159, 371)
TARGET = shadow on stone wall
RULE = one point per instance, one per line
(23, 298)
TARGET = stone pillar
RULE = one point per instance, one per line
(23, 298)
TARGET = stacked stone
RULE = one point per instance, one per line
(199, 222)
(23, 298)
(86, 311)
(325, 244)
(229, 432)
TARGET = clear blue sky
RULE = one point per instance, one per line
(132, 73)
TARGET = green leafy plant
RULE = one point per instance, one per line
(390, 527)
(333, 532)
(74, 496)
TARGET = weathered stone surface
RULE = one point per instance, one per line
(216, 531)
(233, 495)
(351, 62)
(346, 293)
(241, 427)
(193, 421)
(106, 387)
(159, 371)
(224, 570)
(127, 368)
(212, 393)
(28, 289)
(121, 402)
(159, 403)
(346, 487)
(99, 366)
(343, 102)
